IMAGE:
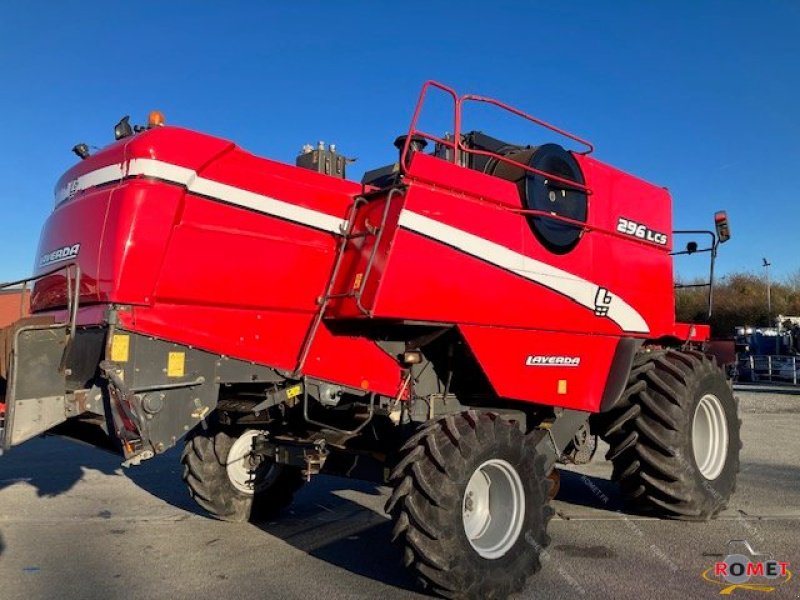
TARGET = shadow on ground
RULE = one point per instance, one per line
(590, 491)
(330, 527)
(53, 466)
(322, 522)
(161, 477)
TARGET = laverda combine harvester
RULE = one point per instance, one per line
(455, 325)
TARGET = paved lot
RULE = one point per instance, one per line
(73, 524)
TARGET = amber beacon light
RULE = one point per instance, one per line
(155, 119)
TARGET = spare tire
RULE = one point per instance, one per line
(541, 193)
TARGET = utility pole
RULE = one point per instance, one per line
(766, 264)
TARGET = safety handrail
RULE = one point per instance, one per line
(73, 290)
(35, 277)
(712, 249)
(359, 293)
(322, 301)
(412, 131)
(524, 115)
(530, 212)
(516, 163)
(458, 147)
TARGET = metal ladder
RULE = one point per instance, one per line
(328, 295)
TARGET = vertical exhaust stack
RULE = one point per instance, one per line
(417, 144)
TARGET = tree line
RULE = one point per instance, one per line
(739, 299)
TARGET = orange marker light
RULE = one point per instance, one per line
(155, 118)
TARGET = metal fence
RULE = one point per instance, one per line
(783, 369)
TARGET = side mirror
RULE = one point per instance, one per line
(721, 224)
(691, 247)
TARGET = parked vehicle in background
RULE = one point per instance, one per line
(769, 353)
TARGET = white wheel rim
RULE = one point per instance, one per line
(710, 436)
(242, 466)
(493, 508)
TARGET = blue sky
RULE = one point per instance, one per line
(701, 97)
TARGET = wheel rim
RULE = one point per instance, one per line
(246, 471)
(493, 508)
(710, 436)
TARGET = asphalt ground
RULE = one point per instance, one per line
(73, 524)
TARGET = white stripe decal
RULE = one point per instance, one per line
(584, 292)
(89, 180)
(599, 300)
(206, 187)
(150, 167)
(265, 204)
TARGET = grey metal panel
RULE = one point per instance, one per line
(150, 359)
(169, 402)
(33, 416)
(84, 354)
(231, 370)
(38, 354)
(552, 442)
(36, 390)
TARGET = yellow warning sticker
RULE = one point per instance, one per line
(120, 347)
(176, 363)
(357, 282)
(294, 391)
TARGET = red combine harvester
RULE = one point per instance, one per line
(455, 325)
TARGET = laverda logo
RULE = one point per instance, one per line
(539, 360)
(62, 254)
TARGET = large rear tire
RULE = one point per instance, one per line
(470, 506)
(675, 436)
(226, 480)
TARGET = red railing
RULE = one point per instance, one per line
(412, 131)
(459, 150)
(531, 118)
(457, 146)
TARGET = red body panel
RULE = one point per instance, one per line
(638, 272)
(508, 307)
(567, 386)
(202, 272)
(204, 244)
